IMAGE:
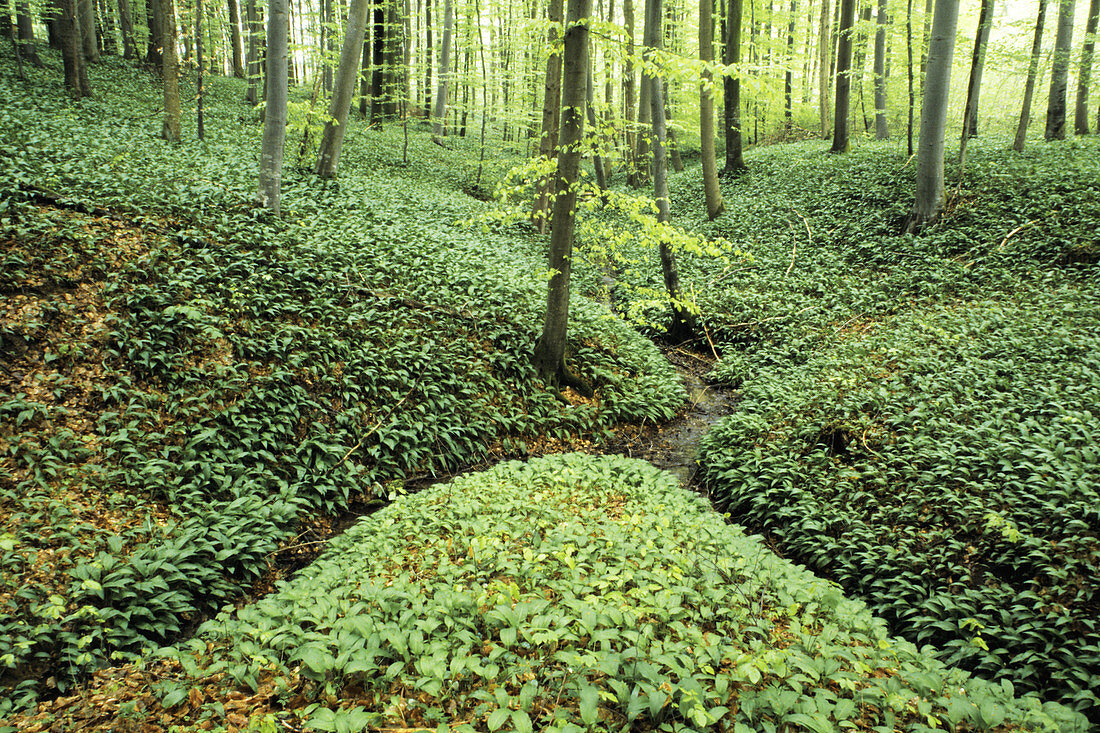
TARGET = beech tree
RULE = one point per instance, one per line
(344, 89)
(1032, 72)
(271, 149)
(1081, 109)
(551, 110)
(170, 70)
(549, 355)
(440, 111)
(1059, 73)
(933, 121)
(882, 131)
(843, 76)
(735, 160)
(711, 190)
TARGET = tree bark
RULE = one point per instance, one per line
(72, 55)
(271, 149)
(551, 109)
(429, 58)
(977, 63)
(597, 158)
(25, 26)
(642, 157)
(126, 25)
(711, 189)
(170, 69)
(378, 53)
(1059, 74)
(235, 38)
(788, 75)
(735, 160)
(549, 356)
(199, 81)
(1032, 73)
(909, 69)
(328, 157)
(630, 112)
(933, 122)
(682, 326)
(88, 30)
(823, 54)
(439, 113)
(882, 131)
(153, 49)
(365, 78)
(841, 141)
(1081, 109)
(252, 14)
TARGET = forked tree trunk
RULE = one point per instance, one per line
(72, 55)
(1059, 73)
(328, 157)
(1081, 109)
(711, 190)
(933, 121)
(882, 131)
(271, 149)
(440, 111)
(843, 77)
(549, 356)
(1032, 73)
(126, 25)
(735, 160)
(682, 326)
(170, 70)
(551, 111)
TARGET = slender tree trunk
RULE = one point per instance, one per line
(711, 189)
(788, 75)
(170, 70)
(378, 52)
(974, 86)
(933, 120)
(1081, 110)
(735, 160)
(25, 26)
(153, 49)
(235, 38)
(252, 15)
(1059, 74)
(909, 68)
(88, 30)
(440, 111)
(126, 25)
(199, 81)
(823, 53)
(881, 129)
(682, 326)
(841, 142)
(642, 158)
(1032, 74)
(549, 356)
(429, 58)
(629, 106)
(551, 109)
(860, 56)
(392, 70)
(328, 158)
(365, 75)
(72, 54)
(597, 158)
(271, 149)
(673, 146)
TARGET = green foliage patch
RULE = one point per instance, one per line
(576, 593)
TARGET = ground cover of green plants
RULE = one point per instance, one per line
(571, 592)
(919, 413)
(190, 382)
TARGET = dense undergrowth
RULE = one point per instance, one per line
(568, 593)
(189, 382)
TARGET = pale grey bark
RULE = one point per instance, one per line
(170, 71)
(87, 30)
(1081, 109)
(824, 51)
(549, 356)
(732, 114)
(711, 190)
(255, 70)
(328, 157)
(126, 25)
(882, 130)
(1032, 73)
(841, 140)
(235, 38)
(551, 111)
(271, 149)
(439, 111)
(933, 122)
(977, 63)
(1059, 73)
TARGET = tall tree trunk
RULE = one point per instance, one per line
(235, 42)
(378, 55)
(154, 48)
(642, 157)
(1032, 74)
(843, 77)
(735, 160)
(72, 53)
(672, 146)
(252, 15)
(328, 157)
(1081, 110)
(429, 58)
(551, 109)
(629, 88)
(170, 70)
(788, 75)
(909, 69)
(823, 54)
(881, 130)
(1059, 74)
(974, 86)
(711, 189)
(25, 26)
(392, 53)
(88, 30)
(126, 25)
(933, 120)
(860, 55)
(597, 157)
(439, 113)
(549, 356)
(199, 81)
(271, 149)
(682, 326)
(365, 72)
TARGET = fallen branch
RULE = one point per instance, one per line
(1011, 234)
